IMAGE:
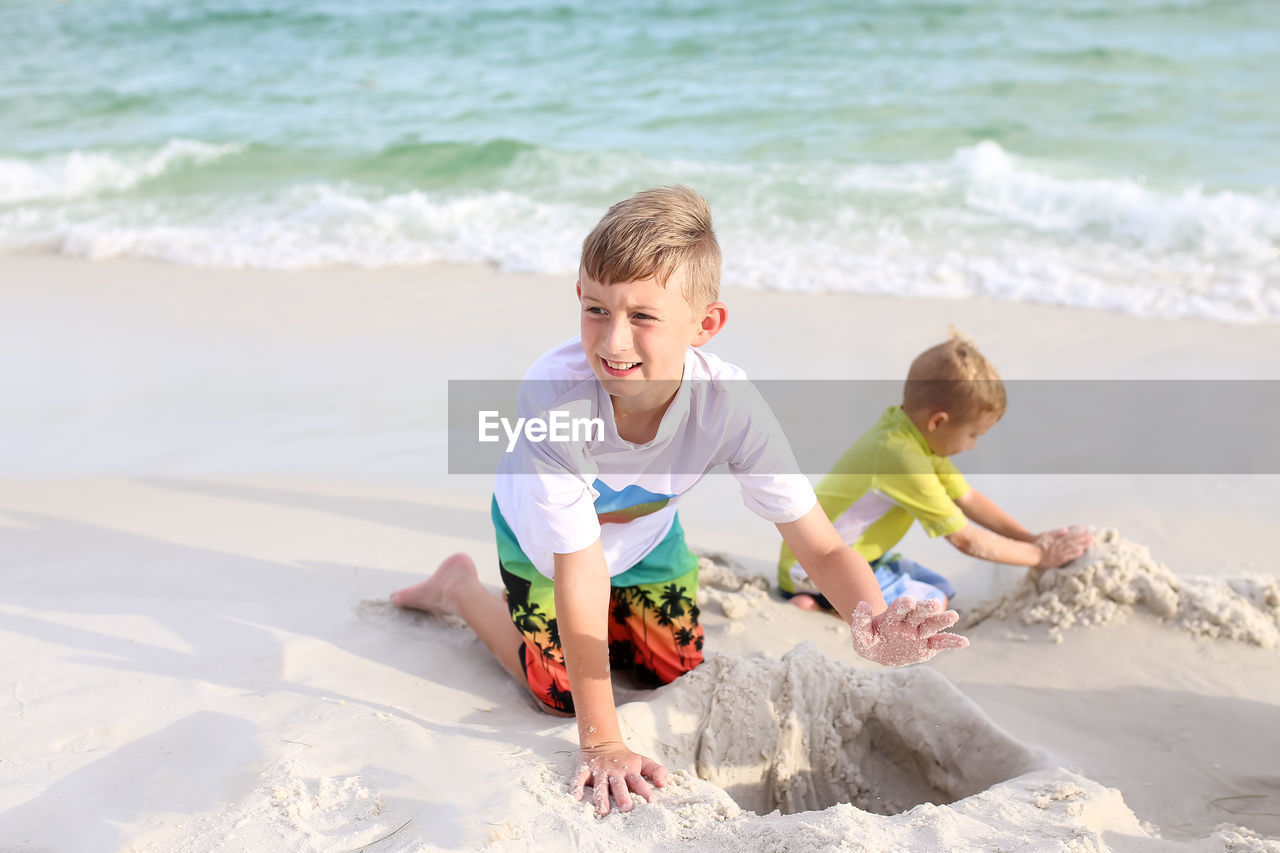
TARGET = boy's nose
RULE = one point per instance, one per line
(618, 339)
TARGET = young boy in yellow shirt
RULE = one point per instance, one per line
(900, 472)
(590, 547)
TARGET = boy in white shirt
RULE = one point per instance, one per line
(591, 550)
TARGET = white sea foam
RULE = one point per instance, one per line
(322, 225)
(81, 174)
(1124, 211)
(982, 222)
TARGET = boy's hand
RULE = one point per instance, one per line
(612, 768)
(1063, 545)
(906, 632)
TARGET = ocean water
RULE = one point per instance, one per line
(1113, 154)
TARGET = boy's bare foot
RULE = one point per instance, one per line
(805, 602)
(435, 594)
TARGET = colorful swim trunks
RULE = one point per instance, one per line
(653, 631)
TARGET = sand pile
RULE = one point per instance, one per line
(805, 732)
(805, 753)
(724, 583)
(1117, 576)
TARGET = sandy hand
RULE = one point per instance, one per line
(906, 632)
(611, 768)
(1063, 545)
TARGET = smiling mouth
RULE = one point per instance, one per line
(619, 368)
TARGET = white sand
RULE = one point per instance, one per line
(214, 479)
(1117, 576)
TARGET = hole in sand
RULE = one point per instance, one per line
(805, 733)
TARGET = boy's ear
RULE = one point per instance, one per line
(717, 314)
(937, 419)
(577, 288)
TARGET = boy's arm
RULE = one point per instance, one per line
(1047, 552)
(582, 608)
(839, 571)
(1007, 541)
(905, 632)
(981, 509)
(985, 545)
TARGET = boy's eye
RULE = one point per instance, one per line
(594, 309)
(645, 317)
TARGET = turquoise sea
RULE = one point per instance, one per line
(1117, 154)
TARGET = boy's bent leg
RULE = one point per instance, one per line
(810, 601)
(657, 624)
(795, 586)
(531, 614)
(917, 572)
(898, 576)
(455, 588)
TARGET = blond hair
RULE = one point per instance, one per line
(955, 378)
(655, 234)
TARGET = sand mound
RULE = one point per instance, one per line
(1116, 577)
(805, 753)
(726, 584)
(806, 732)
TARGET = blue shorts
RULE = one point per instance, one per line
(898, 576)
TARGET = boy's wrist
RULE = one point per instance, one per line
(589, 737)
(601, 745)
(597, 726)
(1042, 555)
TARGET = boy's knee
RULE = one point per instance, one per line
(658, 673)
(548, 684)
(551, 710)
(651, 680)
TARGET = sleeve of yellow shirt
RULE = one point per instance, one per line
(952, 480)
(927, 488)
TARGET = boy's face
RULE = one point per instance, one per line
(947, 438)
(635, 334)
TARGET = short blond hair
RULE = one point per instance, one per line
(655, 234)
(955, 378)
